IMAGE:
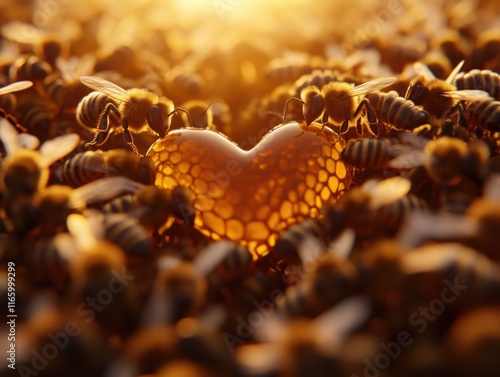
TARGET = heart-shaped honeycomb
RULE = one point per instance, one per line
(251, 196)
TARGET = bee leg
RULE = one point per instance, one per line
(324, 121)
(288, 101)
(103, 128)
(185, 112)
(370, 114)
(12, 121)
(345, 125)
(129, 139)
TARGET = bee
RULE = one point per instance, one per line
(12, 102)
(222, 262)
(381, 273)
(486, 80)
(47, 260)
(38, 117)
(305, 234)
(438, 97)
(452, 44)
(483, 114)
(91, 107)
(154, 206)
(184, 84)
(45, 45)
(438, 63)
(291, 68)
(447, 160)
(94, 270)
(112, 60)
(53, 205)
(64, 87)
(50, 318)
(485, 54)
(430, 265)
(306, 347)
(200, 112)
(391, 109)
(138, 109)
(368, 153)
(126, 232)
(392, 214)
(338, 101)
(26, 171)
(326, 282)
(363, 207)
(179, 290)
(29, 68)
(471, 342)
(485, 219)
(85, 167)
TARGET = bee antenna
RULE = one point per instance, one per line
(210, 104)
(184, 111)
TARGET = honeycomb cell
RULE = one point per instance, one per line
(310, 180)
(175, 157)
(195, 171)
(286, 209)
(333, 183)
(310, 197)
(325, 194)
(256, 230)
(235, 229)
(223, 209)
(213, 222)
(340, 171)
(322, 176)
(330, 166)
(285, 178)
(184, 167)
(263, 212)
(273, 220)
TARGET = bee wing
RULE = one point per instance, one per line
(9, 136)
(262, 359)
(467, 94)
(53, 150)
(423, 71)
(335, 324)
(66, 245)
(82, 231)
(107, 87)
(451, 78)
(22, 32)
(492, 188)
(28, 141)
(421, 226)
(71, 69)
(208, 258)
(103, 189)
(386, 191)
(343, 244)
(16, 87)
(432, 258)
(408, 160)
(309, 249)
(372, 86)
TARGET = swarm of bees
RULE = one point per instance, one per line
(317, 196)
